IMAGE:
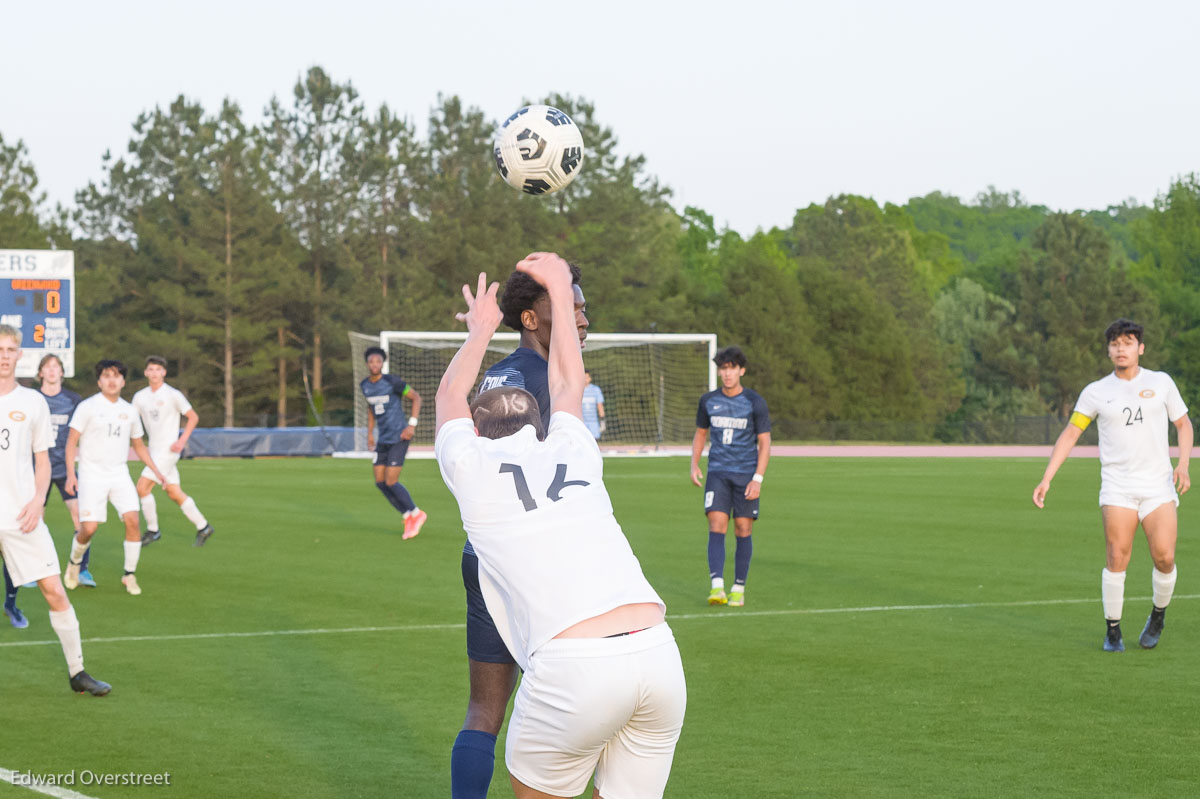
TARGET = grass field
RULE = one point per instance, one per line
(913, 627)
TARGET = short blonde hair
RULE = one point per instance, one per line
(9, 330)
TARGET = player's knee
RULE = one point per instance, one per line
(176, 494)
(56, 595)
(485, 714)
(1164, 562)
(382, 486)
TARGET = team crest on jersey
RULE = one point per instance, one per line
(16, 416)
(123, 416)
(1146, 393)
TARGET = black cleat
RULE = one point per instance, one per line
(202, 535)
(1112, 638)
(1153, 629)
(82, 683)
(150, 536)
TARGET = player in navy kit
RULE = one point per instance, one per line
(526, 308)
(384, 394)
(737, 460)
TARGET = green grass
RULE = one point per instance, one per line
(785, 699)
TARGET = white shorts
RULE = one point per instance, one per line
(29, 556)
(1144, 502)
(166, 462)
(610, 705)
(97, 490)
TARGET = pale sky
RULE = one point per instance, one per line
(746, 109)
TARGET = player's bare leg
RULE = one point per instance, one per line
(1161, 527)
(523, 791)
(1120, 525)
(145, 492)
(492, 686)
(79, 545)
(743, 527)
(718, 524)
(133, 551)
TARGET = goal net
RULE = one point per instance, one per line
(651, 382)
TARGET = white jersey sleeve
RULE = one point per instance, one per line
(81, 416)
(1087, 405)
(1176, 407)
(456, 445)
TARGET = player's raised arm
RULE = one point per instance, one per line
(565, 366)
(482, 318)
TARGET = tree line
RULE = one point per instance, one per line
(243, 249)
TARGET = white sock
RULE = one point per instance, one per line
(133, 551)
(718, 583)
(66, 625)
(1164, 586)
(193, 513)
(77, 549)
(150, 512)
(1112, 592)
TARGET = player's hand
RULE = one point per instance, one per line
(753, 489)
(697, 476)
(162, 481)
(30, 515)
(71, 484)
(1039, 493)
(407, 433)
(547, 268)
(178, 446)
(483, 313)
(1182, 481)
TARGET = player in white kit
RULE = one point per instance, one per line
(1132, 406)
(24, 480)
(103, 428)
(603, 691)
(161, 406)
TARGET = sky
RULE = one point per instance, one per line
(748, 110)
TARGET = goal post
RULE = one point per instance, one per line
(651, 381)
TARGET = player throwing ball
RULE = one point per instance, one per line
(604, 688)
(1132, 407)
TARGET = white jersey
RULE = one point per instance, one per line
(105, 430)
(160, 411)
(1132, 417)
(551, 554)
(24, 430)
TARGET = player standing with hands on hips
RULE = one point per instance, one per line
(1132, 407)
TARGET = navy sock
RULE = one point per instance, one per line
(471, 764)
(741, 560)
(716, 554)
(10, 590)
(404, 500)
(87, 556)
(386, 490)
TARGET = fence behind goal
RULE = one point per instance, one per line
(651, 382)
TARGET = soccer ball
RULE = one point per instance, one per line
(539, 149)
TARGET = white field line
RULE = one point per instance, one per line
(714, 614)
(50, 790)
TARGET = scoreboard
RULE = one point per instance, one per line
(37, 296)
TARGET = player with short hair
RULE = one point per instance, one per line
(160, 407)
(103, 429)
(24, 481)
(525, 307)
(737, 461)
(593, 406)
(62, 402)
(1132, 407)
(385, 410)
(604, 690)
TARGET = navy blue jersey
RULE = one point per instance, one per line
(383, 397)
(736, 423)
(62, 405)
(523, 369)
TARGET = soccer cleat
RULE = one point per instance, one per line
(717, 597)
(412, 525)
(130, 583)
(737, 598)
(202, 535)
(150, 536)
(86, 578)
(84, 683)
(16, 617)
(71, 576)
(1153, 629)
(1112, 638)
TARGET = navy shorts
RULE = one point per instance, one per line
(725, 492)
(61, 482)
(391, 454)
(483, 639)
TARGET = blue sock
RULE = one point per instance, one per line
(386, 490)
(403, 500)
(471, 764)
(87, 556)
(741, 560)
(716, 554)
(10, 590)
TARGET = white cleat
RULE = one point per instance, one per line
(71, 576)
(130, 583)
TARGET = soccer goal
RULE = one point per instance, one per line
(651, 381)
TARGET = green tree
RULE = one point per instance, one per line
(20, 200)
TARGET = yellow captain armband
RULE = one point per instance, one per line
(1080, 421)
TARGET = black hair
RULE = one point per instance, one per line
(374, 351)
(506, 410)
(521, 292)
(733, 355)
(1123, 327)
(103, 366)
(157, 360)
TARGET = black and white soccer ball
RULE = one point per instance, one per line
(538, 150)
